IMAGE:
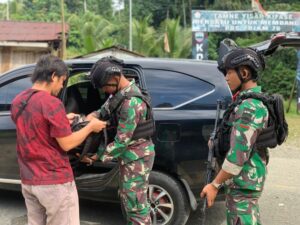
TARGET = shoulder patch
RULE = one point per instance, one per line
(244, 126)
(246, 117)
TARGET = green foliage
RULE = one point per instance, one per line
(252, 38)
(179, 38)
(3, 11)
(280, 72)
(144, 37)
(91, 32)
(231, 5)
(292, 106)
(98, 27)
(39, 10)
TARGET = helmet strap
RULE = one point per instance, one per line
(238, 71)
(241, 80)
(117, 85)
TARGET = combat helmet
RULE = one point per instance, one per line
(236, 57)
(104, 69)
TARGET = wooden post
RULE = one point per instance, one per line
(184, 14)
(63, 36)
(6, 59)
(291, 95)
(130, 25)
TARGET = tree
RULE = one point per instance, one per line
(280, 72)
(144, 38)
(179, 39)
(95, 32)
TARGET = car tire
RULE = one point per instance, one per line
(169, 203)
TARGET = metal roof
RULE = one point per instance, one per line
(30, 31)
(109, 50)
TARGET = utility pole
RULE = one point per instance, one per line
(63, 36)
(84, 6)
(130, 25)
(184, 14)
(7, 10)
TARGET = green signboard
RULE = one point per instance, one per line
(242, 21)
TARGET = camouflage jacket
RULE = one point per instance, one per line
(248, 168)
(123, 148)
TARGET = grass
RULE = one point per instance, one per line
(293, 108)
(293, 120)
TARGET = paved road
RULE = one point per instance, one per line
(280, 203)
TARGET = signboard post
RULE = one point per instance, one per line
(298, 82)
(200, 45)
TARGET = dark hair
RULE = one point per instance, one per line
(46, 66)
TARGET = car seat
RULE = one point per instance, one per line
(94, 100)
(75, 102)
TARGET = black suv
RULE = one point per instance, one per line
(184, 95)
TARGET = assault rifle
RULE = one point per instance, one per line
(211, 160)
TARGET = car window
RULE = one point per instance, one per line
(81, 96)
(9, 91)
(170, 89)
(78, 78)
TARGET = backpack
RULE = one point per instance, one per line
(274, 134)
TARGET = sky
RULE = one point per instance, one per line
(117, 4)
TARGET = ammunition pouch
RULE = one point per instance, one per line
(111, 112)
(222, 142)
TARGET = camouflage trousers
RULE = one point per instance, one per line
(134, 180)
(242, 208)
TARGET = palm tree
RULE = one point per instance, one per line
(144, 38)
(179, 38)
(96, 32)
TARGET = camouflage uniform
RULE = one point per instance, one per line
(135, 158)
(247, 166)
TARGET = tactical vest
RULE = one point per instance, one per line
(274, 134)
(111, 110)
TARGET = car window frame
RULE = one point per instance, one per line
(9, 81)
(186, 102)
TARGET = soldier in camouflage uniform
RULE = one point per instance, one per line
(135, 156)
(244, 170)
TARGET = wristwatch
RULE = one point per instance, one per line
(216, 185)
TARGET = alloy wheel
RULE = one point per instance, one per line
(161, 204)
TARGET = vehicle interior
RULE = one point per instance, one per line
(82, 98)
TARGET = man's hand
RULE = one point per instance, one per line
(210, 192)
(88, 160)
(71, 117)
(97, 125)
(210, 144)
(92, 115)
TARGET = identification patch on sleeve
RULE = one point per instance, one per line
(244, 126)
(247, 116)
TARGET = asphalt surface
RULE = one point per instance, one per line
(280, 203)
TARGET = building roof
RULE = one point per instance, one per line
(30, 31)
(114, 50)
